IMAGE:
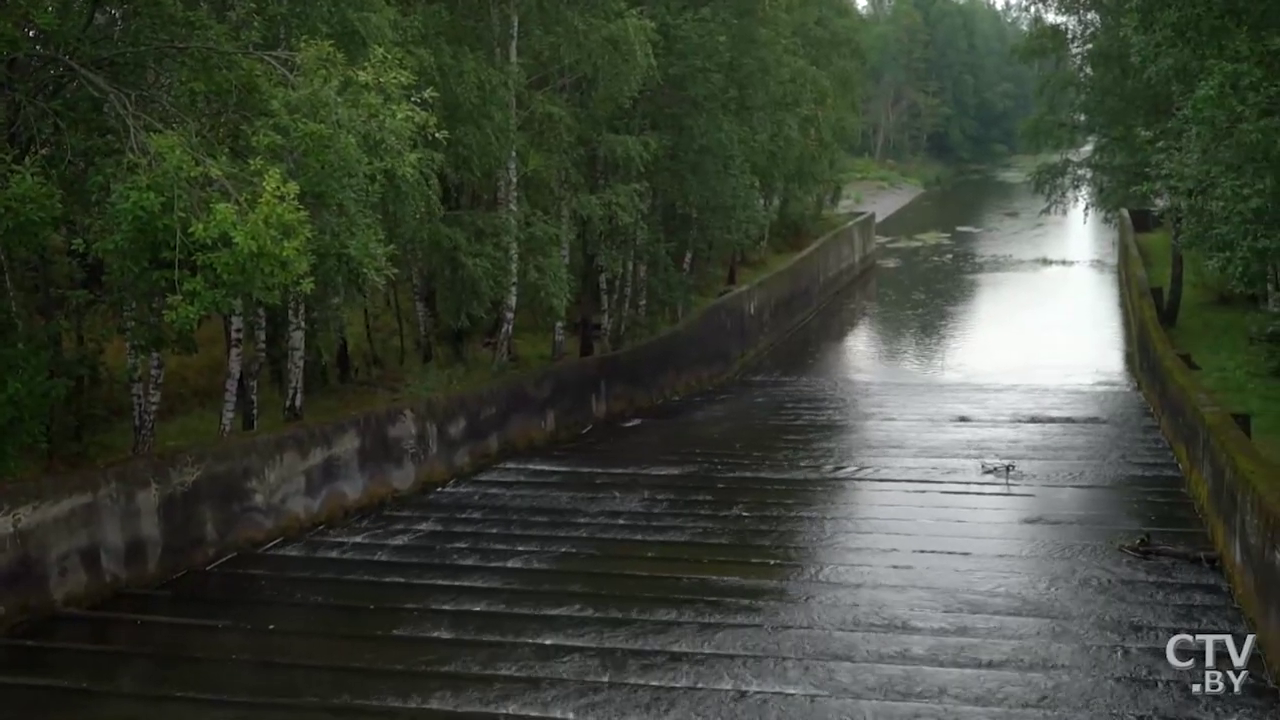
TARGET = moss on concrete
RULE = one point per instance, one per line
(1215, 326)
(1232, 482)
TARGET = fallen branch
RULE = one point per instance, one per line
(1145, 549)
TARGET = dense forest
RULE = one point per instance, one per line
(1178, 101)
(215, 212)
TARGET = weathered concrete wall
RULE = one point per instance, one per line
(1234, 486)
(72, 539)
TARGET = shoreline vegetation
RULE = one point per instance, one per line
(221, 219)
(1219, 329)
(385, 373)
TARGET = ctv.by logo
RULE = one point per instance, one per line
(1214, 683)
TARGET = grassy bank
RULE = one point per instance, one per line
(1215, 328)
(921, 172)
(385, 371)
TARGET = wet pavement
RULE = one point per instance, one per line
(819, 540)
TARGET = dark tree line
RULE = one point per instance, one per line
(1177, 106)
(290, 172)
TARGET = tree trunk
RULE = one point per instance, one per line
(1173, 302)
(422, 312)
(587, 303)
(395, 308)
(766, 203)
(628, 279)
(642, 299)
(1273, 288)
(13, 296)
(880, 134)
(509, 191)
(80, 387)
(296, 363)
(685, 266)
(343, 355)
(253, 371)
(235, 360)
(145, 440)
(606, 318)
(144, 392)
(375, 362)
(133, 368)
(566, 241)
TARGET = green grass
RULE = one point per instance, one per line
(921, 172)
(193, 383)
(1215, 328)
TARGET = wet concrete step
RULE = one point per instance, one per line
(754, 687)
(414, 634)
(727, 460)
(873, 499)
(825, 476)
(889, 520)
(732, 530)
(711, 599)
(1106, 516)
(63, 701)
(1101, 554)
(308, 603)
(729, 577)
(1026, 643)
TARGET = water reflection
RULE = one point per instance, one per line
(993, 293)
(814, 541)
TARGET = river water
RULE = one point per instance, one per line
(824, 538)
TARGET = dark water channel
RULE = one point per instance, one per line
(819, 540)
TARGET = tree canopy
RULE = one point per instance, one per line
(278, 170)
(1176, 102)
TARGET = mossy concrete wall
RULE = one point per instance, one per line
(1234, 486)
(70, 540)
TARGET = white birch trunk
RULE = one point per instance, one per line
(296, 364)
(235, 364)
(254, 369)
(685, 266)
(628, 282)
(421, 312)
(606, 319)
(509, 191)
(133, 367)
(144, 391)
(155, 387)
(566, 238)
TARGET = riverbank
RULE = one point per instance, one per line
(76, 537)
(1215, 328)
(386, 372)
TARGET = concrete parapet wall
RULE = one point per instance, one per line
(1234, 485)
(72, 539)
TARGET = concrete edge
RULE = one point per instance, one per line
(75, 540)
(1233, 484)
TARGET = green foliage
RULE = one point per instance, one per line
(1193, 132)
(170, 167)
(945, 80)
(1220, 333)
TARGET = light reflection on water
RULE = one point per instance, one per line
(1026, 299)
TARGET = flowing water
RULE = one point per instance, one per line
(825, 538)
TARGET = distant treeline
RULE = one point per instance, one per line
(1179, 101)
(277, 169)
